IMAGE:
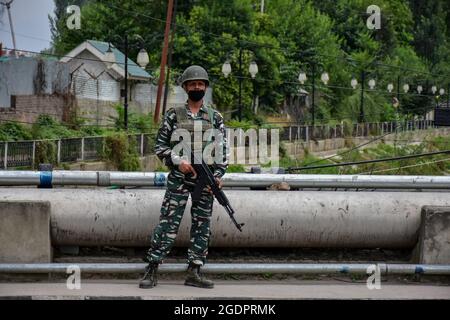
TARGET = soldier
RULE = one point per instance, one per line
(181, 182)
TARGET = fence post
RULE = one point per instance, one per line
(33, 156)
(290, 133)
(58, 154)
(82, 149)
(307, 134)
(142, 144)
(6, 156)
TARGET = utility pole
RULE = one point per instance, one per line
(125, 101)
(262, 6)
(8, 7)
(163, 60)
(169, 63)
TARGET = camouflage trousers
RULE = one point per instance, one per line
(172, 210)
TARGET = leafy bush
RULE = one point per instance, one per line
(121, 152)
(46, 152)
(13, 131)
(235, 168)
(47, 127)
(245, 125)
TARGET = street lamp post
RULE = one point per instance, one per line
(142, 60)
(240, 84)
(302, 77)
(397, 114)
(313, 94)
(361, 107)
(252, 69)
(448, 95)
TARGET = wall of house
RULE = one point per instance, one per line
(29, 107)
(47, 87)
(31, 76)
(96, 112)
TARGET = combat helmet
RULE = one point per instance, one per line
(194, 73)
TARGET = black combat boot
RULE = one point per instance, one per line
(194, 278)
(150, 278)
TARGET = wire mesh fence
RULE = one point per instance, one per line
(93, 148)
(27, 153)
(70, 150)
(2, 155)
(321, 132)
(20, 154)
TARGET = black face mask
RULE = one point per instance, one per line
(195, 95)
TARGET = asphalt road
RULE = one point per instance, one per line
(224, 289)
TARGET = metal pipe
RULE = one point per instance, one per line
(151, 179)
(127, 217)
(231, 268)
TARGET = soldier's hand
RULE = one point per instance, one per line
(219, 183)
(185, 167)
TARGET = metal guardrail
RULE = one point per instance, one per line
(23, 153)
(321, 132)
(262, 180)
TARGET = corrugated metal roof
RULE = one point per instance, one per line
(133, 68)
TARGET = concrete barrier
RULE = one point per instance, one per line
(25, 231)
(126, 218)
(433, 246)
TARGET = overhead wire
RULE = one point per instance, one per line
(405, 167)
(340, 164)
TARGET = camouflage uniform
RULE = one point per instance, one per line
(178, 188)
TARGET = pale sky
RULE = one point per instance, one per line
(30, 23)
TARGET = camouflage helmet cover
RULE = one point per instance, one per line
(194, 73)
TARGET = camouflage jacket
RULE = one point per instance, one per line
(163, 141)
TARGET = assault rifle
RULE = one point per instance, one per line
(206, 178)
